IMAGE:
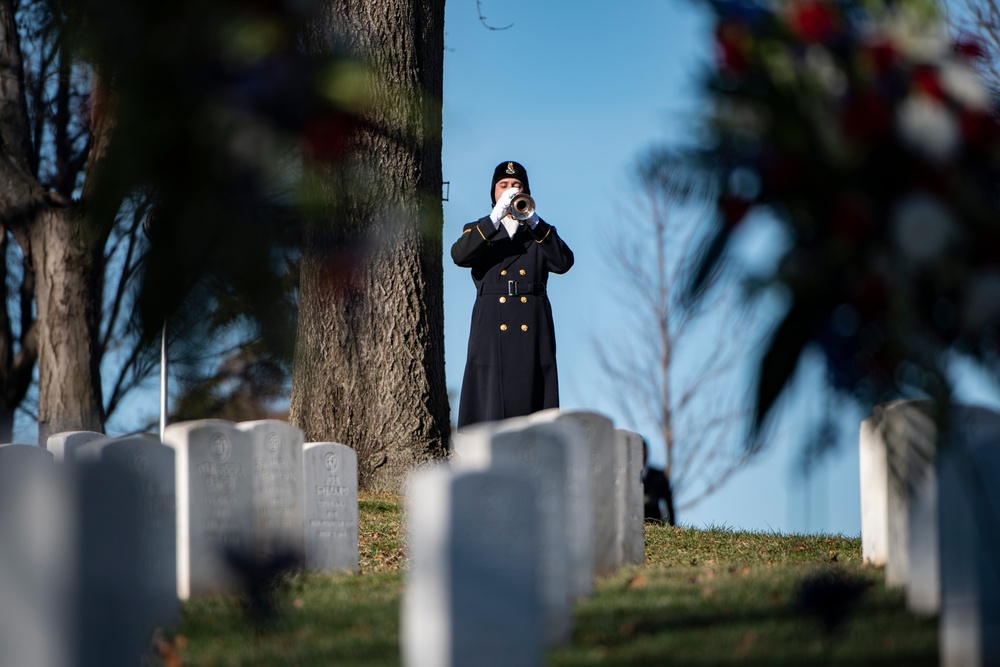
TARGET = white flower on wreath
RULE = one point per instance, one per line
(928, 127)
(963, 84)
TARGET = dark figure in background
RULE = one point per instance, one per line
(656, 488)
(511, 367)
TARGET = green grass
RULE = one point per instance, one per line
(716, 597)
(703, 597)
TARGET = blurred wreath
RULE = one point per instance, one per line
(864, 130)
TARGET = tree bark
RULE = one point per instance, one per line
(369, 360)
(20, 193)
(55, 252)
(68, 390)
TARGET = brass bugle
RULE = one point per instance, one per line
(522, 206)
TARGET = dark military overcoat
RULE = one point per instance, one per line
(511, 367)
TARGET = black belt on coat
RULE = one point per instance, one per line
(514, 288)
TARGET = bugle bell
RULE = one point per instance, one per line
(522, 206)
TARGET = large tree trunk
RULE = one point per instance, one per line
(52, 241)
(20, 192)
(369, 361)
(68, 385)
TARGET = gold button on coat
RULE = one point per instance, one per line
(504, 272)
(503, 327)
(503, 299)
(524, 299)
(524, 327)
(522, 272)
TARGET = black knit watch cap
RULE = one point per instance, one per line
(509, 170)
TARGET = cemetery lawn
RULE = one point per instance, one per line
(704, 597)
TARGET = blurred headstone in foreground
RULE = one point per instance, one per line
(214, 473)
(969, 496)
(904, 508)
(277, 486)
(909, 434)
(37, 586)
(600, 438)
(143, 468)
(543, 453)
(87, 568)
(126, 531)
(473, 588)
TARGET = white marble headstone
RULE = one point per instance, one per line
(628, 497)
(901, 496)
(910, 437)
(472, 592)
(16, 457)
(600, 436)
(969, 508)
(150, 465)
(544, 454)
(874, 470)
(913, 498)
(64, 445)
(897, 450)
(277, 486)
(580, 523)
(115, 612)
(331, 506)
(214, 474)
(37, 561)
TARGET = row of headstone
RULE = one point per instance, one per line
(508, 536)
(255, 491)
(251, 490)
(100, 537)
(86, 555)
(930, 513)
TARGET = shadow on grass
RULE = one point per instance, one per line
(754, 626)
(323, 620)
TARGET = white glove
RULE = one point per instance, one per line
(502, 207)
(531, 221)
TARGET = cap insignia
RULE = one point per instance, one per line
(510, 168)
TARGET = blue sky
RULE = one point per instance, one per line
(576, 92)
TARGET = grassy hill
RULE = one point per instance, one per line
(703, 597)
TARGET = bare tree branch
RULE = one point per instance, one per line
(133, 372)
(130, 264)
(656, 380)
(980, 19)
(482, 18)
